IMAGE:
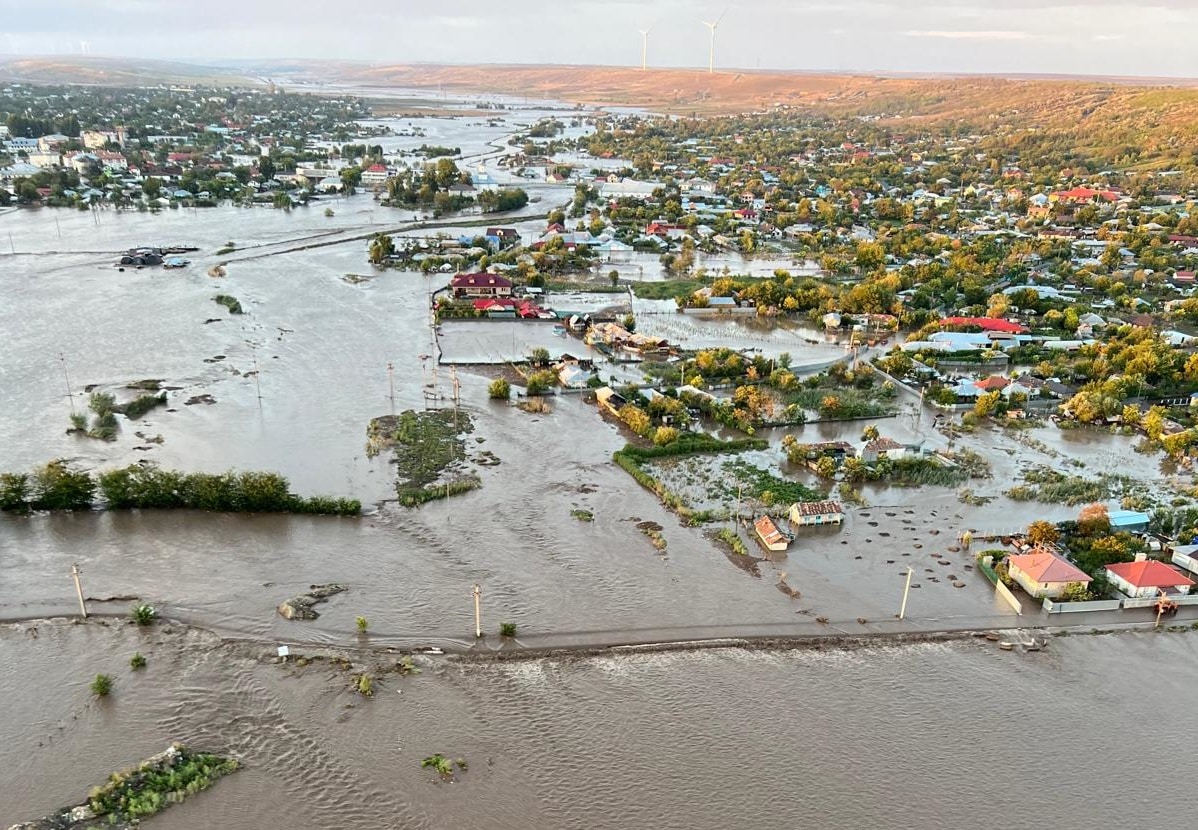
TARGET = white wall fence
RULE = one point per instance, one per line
(1127, 604)
(1150, 602)
(1074, 607)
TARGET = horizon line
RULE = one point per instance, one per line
(918, 74)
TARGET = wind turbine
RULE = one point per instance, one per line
(711, 54)
(645, 48)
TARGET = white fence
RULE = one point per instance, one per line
(1150, 602)
(1075, 607)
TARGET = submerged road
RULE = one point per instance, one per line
(807, 632)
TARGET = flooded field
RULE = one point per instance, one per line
(880, 737)
(290, 386)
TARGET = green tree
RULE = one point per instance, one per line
(381, 247)
(870, 433)
(351, 177)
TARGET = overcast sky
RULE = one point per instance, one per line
(1105, 37)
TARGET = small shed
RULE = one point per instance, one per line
(1132, 521)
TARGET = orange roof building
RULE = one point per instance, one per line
(1042, 573)
(770, 535)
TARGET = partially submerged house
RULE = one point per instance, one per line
(769, 534)
(811, 513)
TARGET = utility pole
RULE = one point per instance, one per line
(478, 613)
(391, 383)
(79, 590)
(906, 590)
(257, 374)
(453, 371)
(67, 378)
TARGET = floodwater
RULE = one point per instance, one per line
(835, 740)
(938, 736)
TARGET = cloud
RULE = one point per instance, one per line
(975, 35)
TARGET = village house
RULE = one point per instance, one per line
(609, 399)
(375, 175)
(816, 513)
(480, 286)
(1042, 573)
(1147, 578)
(1186, 556)
(769, 534)
(871, 452)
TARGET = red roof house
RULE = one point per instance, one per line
(470, 286)
(985, 324)
(1147, 578)
(1085, 194)
(994, 383)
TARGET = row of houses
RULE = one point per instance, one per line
(1044, 572)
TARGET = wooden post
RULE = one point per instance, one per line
(906, 590)
(478, 618)
(79, 591)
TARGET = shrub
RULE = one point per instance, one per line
(366, 685)
(101, 403)
(78, 422)
(14, 491)
(105, 427)
(142, 404)
(538, 383)
(507, 629)
(500, 389)
(665, 435)
(101, 685)
(231, 303)
(143, 613)
(137, 662)
(438, 762)
(362, 624)
(57, 487)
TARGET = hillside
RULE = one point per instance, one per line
(126, 72)
(1138, 116)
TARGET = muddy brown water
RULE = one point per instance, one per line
(881, 737)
